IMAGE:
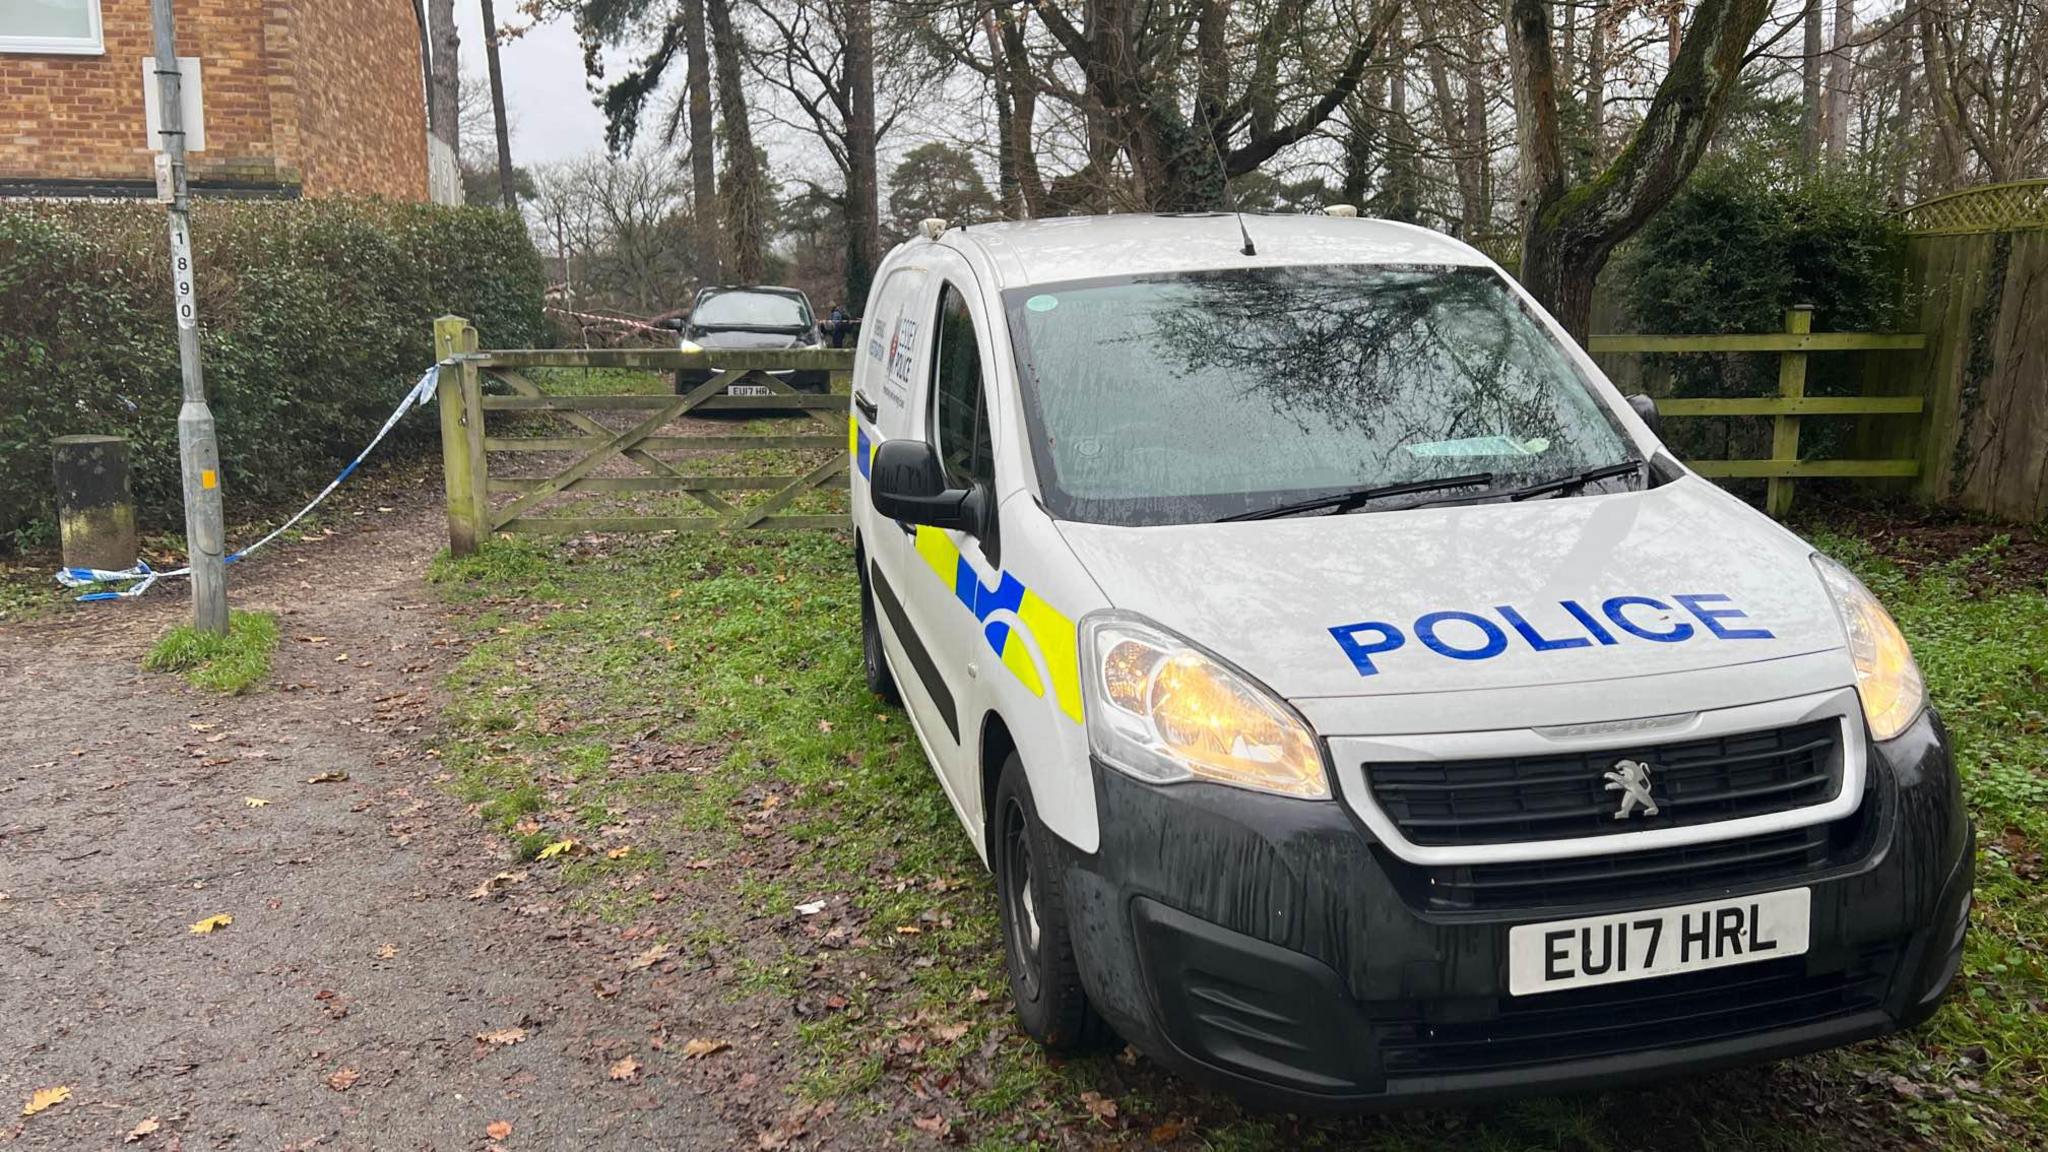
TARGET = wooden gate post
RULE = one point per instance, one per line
(1785, 429)
(457, 469)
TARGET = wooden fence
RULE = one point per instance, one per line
(467, 444)
(1793, 346)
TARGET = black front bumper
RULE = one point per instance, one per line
(1269, 946)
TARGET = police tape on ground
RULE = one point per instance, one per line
(146, 577)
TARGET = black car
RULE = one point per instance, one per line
(752, 318)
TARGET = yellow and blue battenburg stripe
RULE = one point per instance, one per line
(861, 446)
(1049, 629)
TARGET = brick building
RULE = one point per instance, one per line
(295, 97)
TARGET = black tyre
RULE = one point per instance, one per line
(1045, 980)
(874, 661)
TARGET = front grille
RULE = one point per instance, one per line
(1618, 1019)
(1748, 861)
(1555, 797)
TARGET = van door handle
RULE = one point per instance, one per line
(865, 406)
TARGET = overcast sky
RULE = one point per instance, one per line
(552, 116)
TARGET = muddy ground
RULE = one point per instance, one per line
(343, 1006)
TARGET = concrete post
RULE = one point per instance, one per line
(95, 510)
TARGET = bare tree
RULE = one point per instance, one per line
(1841, 82)
(444, 94)
(506, 185)
(1569, 230)
(745, 199)
(697, 98)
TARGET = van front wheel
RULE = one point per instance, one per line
(1045, 980)
(874, 661)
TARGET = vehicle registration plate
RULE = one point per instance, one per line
(1610, 949)
(749, 390)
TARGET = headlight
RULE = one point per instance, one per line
(1887, 679)
(690, 346)
(1163, 710)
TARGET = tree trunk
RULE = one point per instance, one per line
(1009, 190)
(1841, 82)
(1596, 83)
(1023, 88)
(444, 96)
(1812, 119)
(1467, 149)
(703, 172)
(1568, 231)
(506, 188)
(746, 223)
(863, 214)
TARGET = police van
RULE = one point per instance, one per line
(1354, 700)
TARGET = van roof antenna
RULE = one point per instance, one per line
(1229, 197)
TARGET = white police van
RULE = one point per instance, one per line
(1354, 700)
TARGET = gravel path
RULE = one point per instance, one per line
(343, 1006)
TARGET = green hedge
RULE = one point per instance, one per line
(315, 317)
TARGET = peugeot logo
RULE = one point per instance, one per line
(1631, 778)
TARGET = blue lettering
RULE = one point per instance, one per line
(1580, 614)
(1538, 640)
(1613, 606)
(1361, 655)
(1496, 640)
(1712, 617)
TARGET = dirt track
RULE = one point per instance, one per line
(342, 1007)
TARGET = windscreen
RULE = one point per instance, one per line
(1190, 397)
(751, 309)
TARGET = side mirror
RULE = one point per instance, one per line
(1646, 408)
(674, 323)
(906, 482)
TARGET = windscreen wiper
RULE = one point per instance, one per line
(1342, 502)
(1577, 480)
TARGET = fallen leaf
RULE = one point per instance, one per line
(948, 1033)
(490, 887)
(205, 927)
(908, 929)
(824, 725)
(502, 1036)
(254, 801)
(627, 1068)
(812, 908)
(344, 1080)
(498, 1130)
(699, 1049)
(618, 853)
(1169, 1131)
(652, 956)
(140, 1130)
(386, 951)
(44, 1098)
(977, 995)
(556, 849)
(935, 1124)
(334, 776)
(1099, 1106)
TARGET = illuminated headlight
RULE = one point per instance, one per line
(1887, 679)
(691, 346)
(1163, 710)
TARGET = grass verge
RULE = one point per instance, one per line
(229, 664)
(699, 699)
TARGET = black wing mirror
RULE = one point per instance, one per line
(674, 323)
(906, 482)
(1646, 408)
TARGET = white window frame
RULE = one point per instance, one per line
(93, 44)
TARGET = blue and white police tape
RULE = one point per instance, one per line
(145, 576)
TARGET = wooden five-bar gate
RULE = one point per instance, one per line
(596, 446)
(1793, 345)
(595, 450)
